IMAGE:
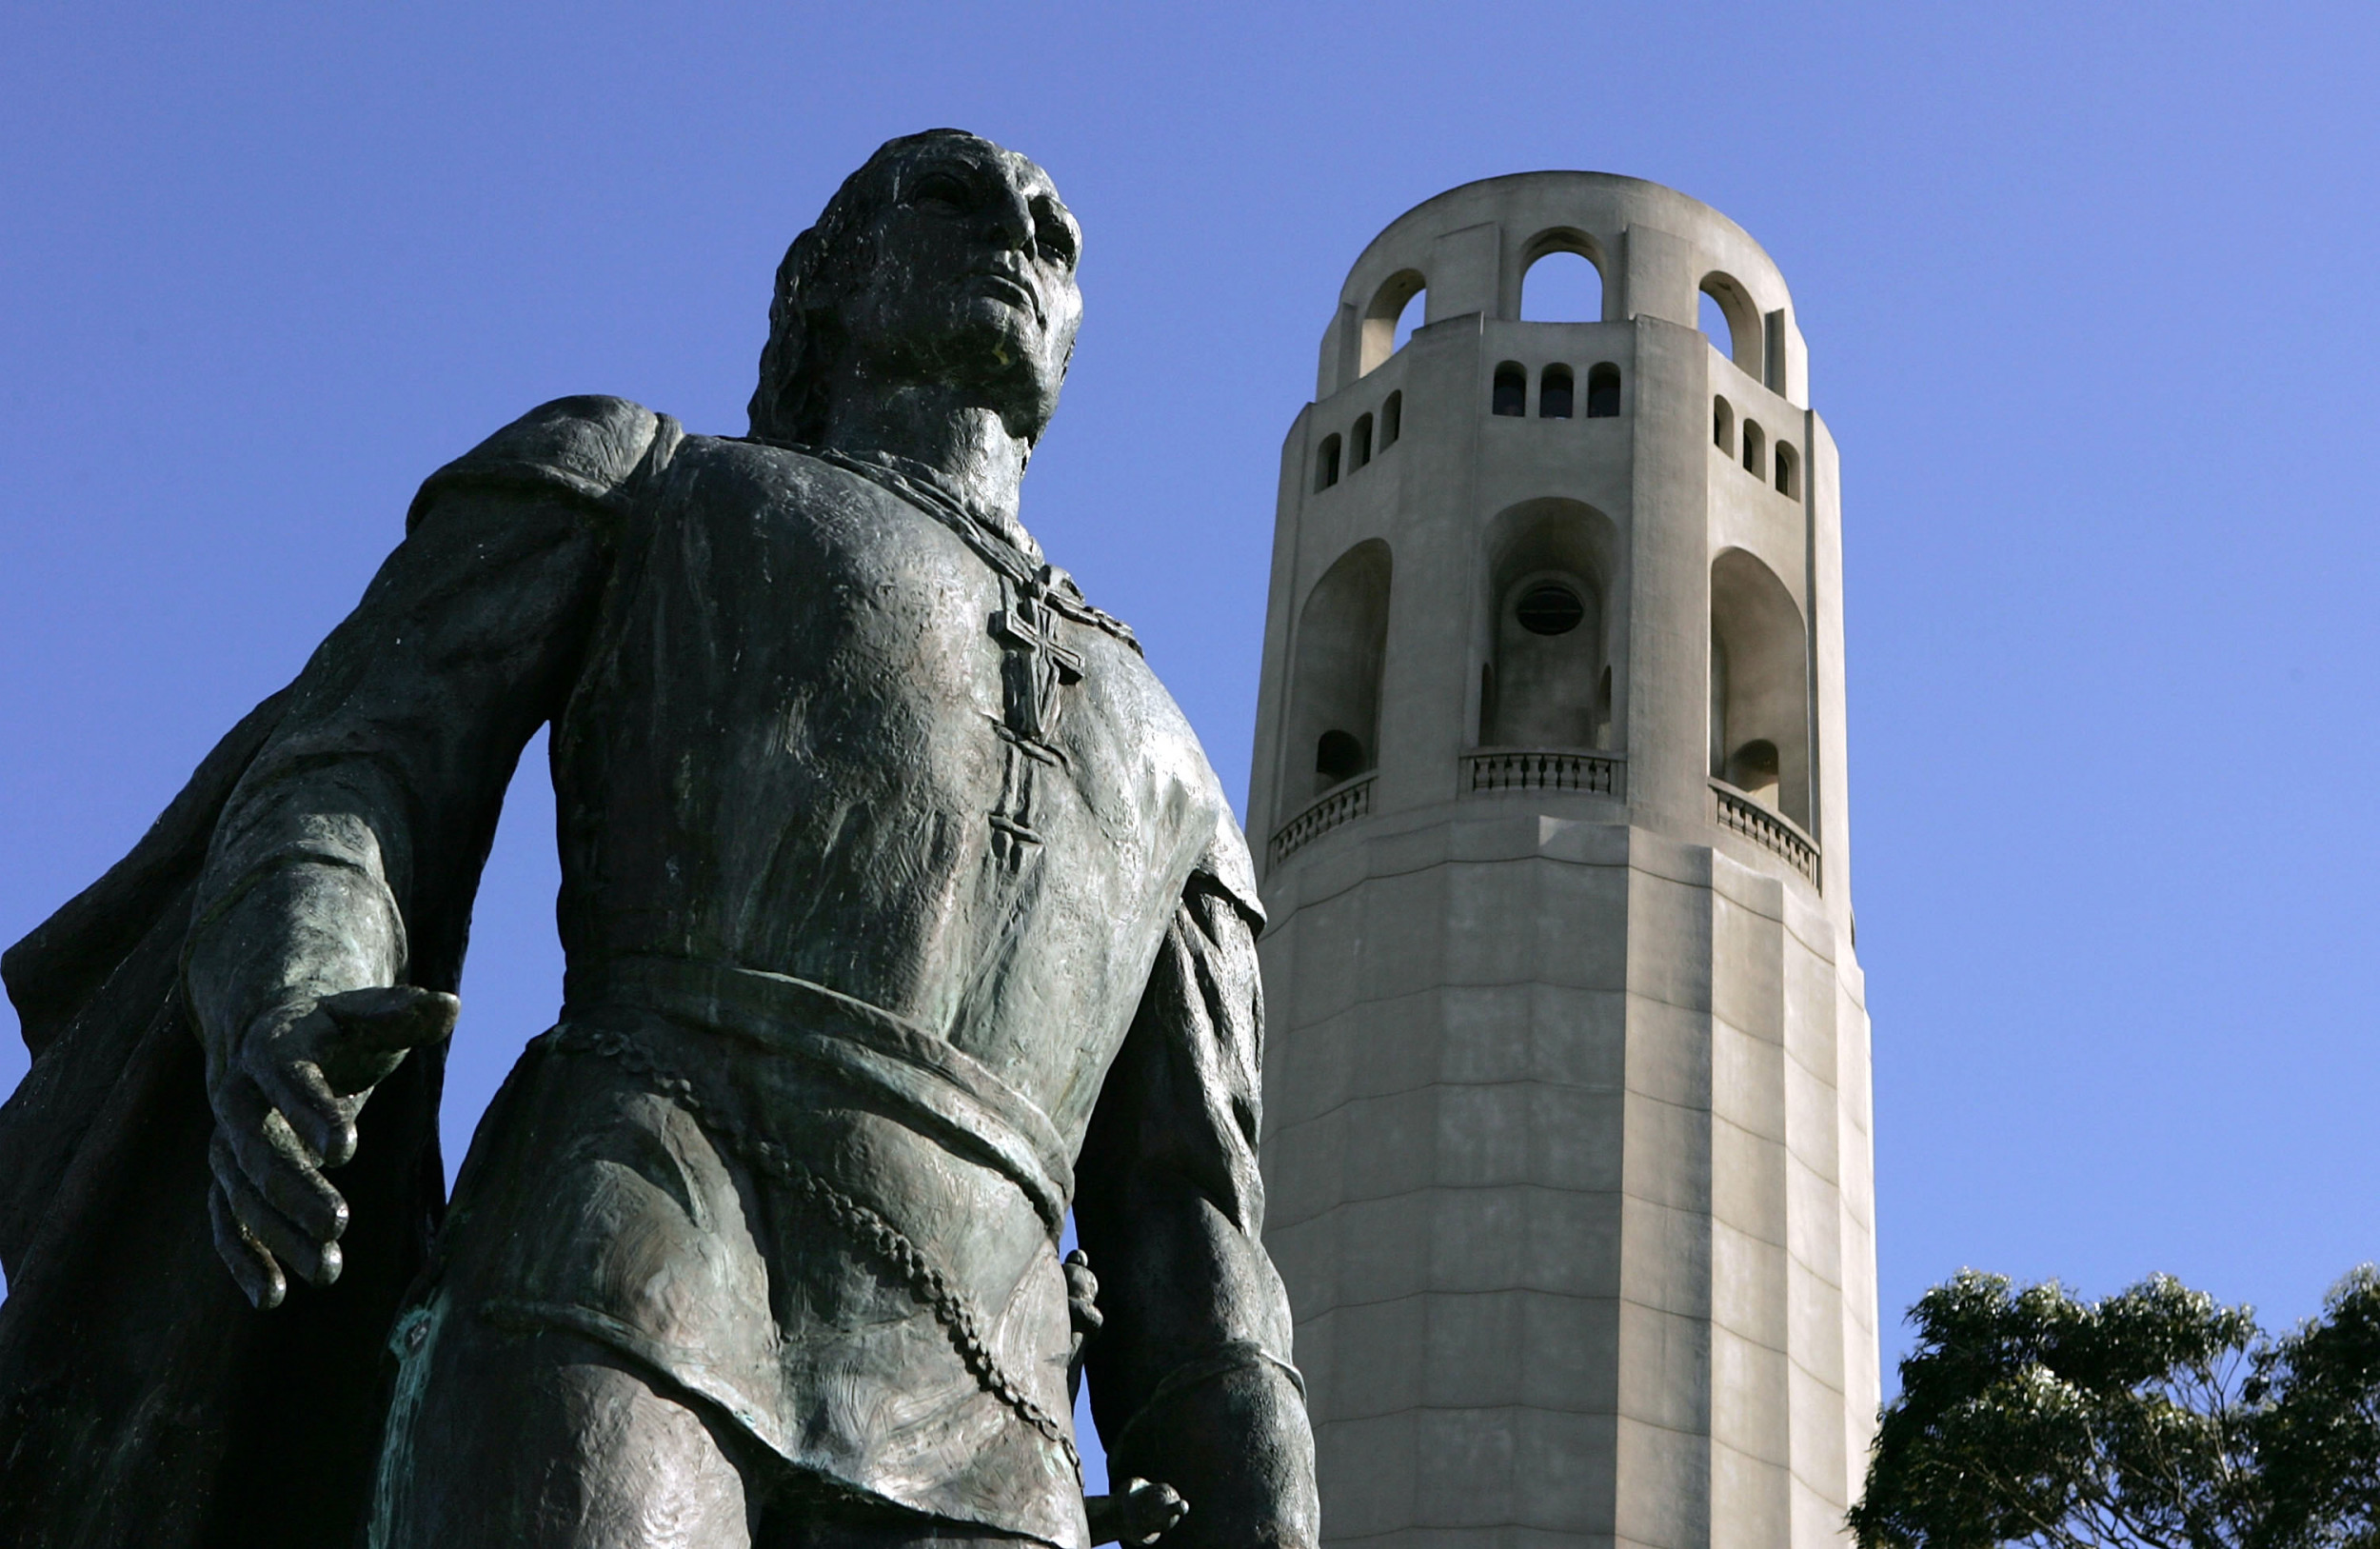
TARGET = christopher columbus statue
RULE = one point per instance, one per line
(903, 916)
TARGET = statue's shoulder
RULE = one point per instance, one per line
(1223, 863)
(795, 475)
(592, 448)
(1227, 866)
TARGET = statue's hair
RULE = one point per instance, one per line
(825, 262)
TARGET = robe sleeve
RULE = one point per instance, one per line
(1190, 1377)
(347, 855)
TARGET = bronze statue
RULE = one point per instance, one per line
(903, 913)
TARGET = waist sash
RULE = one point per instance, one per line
(933, 1087)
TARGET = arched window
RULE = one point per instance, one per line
(1752, 770)
(1562, 285)
(1391, 420)
(1553, 394)
(1603, 392)
(1511, 390)
(1396, 309)
(1733, 321)
(1359, 443)
(1788, 471)
(1713, 322)
(1755, 448)
(1335, 690)
(1337, 756)
(1546, 681)
(1723, 426)
(1760, 686)
(1326, 464)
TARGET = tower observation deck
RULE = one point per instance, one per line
(1567, 1085)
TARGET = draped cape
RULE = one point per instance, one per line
(142, 1401)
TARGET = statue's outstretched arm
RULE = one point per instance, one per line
(1190, 1375)
(348, 854)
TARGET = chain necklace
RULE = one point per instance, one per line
(1003, 545)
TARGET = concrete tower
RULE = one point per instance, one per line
(1567, 1080)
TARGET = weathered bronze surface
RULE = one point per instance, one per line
(903, 913)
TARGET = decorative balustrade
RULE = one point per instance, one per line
(1527, 769)
(1740, 814)
(1341, 803)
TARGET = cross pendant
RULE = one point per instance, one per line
(1036, 665)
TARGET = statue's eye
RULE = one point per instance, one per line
(938, 191)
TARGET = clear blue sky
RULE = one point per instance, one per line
(2090, 301)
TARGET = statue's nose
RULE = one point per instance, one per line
(1011, 218)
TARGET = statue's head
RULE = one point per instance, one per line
(946, 259)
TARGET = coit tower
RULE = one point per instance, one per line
(1567, 1078)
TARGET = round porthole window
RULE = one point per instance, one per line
(1550, 609)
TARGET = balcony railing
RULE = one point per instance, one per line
(1341, 803)
(1529, 768)
(1740, 814)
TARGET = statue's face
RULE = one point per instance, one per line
(973, 278)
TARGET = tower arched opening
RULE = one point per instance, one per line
(1335, 684)
(1509, 394)
(1760, 686)
(1723, 426)
(1563, 282)
(1337, 755)
(1788, 471)
(1555, 393)
(1755, 448)
(1546, 680)
(1326, 464)
(1604, 391)
(1391, 419)
(1359, 443)
(1737, 330)
(1396, 309)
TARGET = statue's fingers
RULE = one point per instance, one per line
(393, 1019)
(252, 1269)
(271, 1158)
(1152, 1509)
(317, 1262)
(289, 1176)
(368, 1033)
(1083, 1291)
(315, 1113)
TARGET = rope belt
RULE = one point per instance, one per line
(939, 1091)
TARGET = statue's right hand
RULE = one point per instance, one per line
(285, 1101)
(1139, 1515)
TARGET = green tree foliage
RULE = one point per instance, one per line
(2318, 1427)
(2156, 1419)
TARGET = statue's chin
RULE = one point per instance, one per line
(980, 339)
(1007, 362)
(994, 329)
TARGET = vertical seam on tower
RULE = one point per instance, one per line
(1809, 624)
